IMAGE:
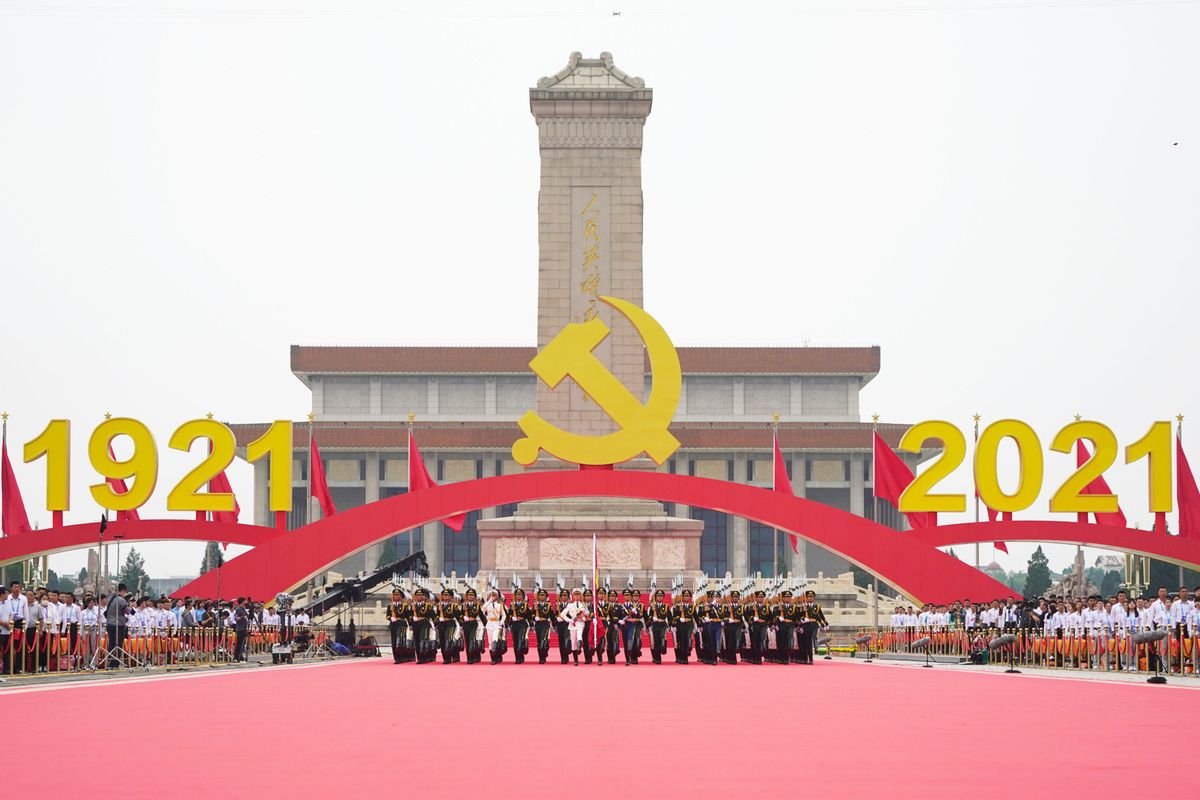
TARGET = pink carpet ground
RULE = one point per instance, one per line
(836, 729)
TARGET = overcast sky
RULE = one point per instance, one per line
(1003, 195)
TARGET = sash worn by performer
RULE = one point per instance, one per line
(448, 613)
(561, 624)
(472, 631)
(519, 620)
(735, 626)
(494, 616)
(683, 615)
(635, 615)
(660, 618)
(759, 617)
(785, 630)
(423, 615)
(575, 614)
(399, 615)
(544, 615)
(613, 617)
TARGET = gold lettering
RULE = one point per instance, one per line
(589, 205)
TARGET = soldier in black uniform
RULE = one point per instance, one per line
(785, 628)
(448, 613)
(544, 615)
(734, 617)
(399, 614)
(470, 614)
(635, 616)
(813, 618)
(519, 618)
(683, 615)
(423, 614)
(660, 618)
(589, 632)
(561, 625)
(613, 616)
(759, 617)
(708, 612)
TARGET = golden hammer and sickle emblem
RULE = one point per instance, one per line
(642, 427)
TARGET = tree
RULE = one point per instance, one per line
(387, 553)
(1037, 574)
(54, 581)
(212, 555)
(1109, 584)
(1016, 582)
(133, 573)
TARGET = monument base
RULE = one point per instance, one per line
(556, 539)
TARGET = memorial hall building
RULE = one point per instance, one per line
(465, 401)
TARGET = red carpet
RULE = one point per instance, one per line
(841, 729)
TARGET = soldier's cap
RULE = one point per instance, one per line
(760, 593)
(711, 592)
(659, 593)
(469, 592)
(518, 591)
(786, 593)
(735, 593)
(687, 593)
(576, 592)
(420, 593)
(447, 591)
(810, 593)
(628, 591)
(396, 592)
(541, 592)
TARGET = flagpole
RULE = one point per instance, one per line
(4, 439)
(976, 492)
(1179, 436)
(774, 530)
(412, 417)
(308, 509)
(874, 496)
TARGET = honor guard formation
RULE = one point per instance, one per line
(719, 625)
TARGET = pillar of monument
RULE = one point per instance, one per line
(590, 116)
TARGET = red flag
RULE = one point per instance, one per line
(1187, 496)
(1098, 486)
(892, 477)
(781, 483)
(120, 487)
(418, 479)
(220, 484)
(14, 519)
(1001, 546)
(316, 479)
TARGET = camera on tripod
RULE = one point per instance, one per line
(282, 651)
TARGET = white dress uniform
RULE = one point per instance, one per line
(495, 616)
(575, 613)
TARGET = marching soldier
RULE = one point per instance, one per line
(575, 614)
(423, 615)
(448, 614)
(708, 612)
(635, 614)
(734, 618)
(471, 632)
(759, 616)
(613, 619)
(589, 633)
(561, 625)
(813, 619)
(788, 614)
(398, 615)
(495, 615)
(519, 619)
(544, 615)
(684, 617)
(660, 618)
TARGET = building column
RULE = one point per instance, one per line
(739, 539)
(372, 494)
(431, 539)
(489, 460)
(798, 561)
(681, 468)
(857, 489)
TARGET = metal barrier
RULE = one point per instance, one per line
(84, 649)
(1178, 654)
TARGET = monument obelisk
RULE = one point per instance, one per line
(590, 117)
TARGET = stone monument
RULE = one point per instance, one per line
(590, 117)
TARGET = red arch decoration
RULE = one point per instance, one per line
(72, 537)
(289, 558)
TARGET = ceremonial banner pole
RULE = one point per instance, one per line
(774, 530)
(874, 485)
(595, 594)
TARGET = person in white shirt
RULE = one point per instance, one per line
(6, 636)
(89, 623)
(969, 617)
(495, 615)
(303, 618)
(70, 625)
